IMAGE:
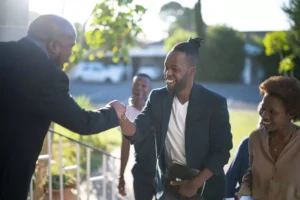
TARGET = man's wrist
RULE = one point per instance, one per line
(195, 184)
(123, 118)
(202, 177)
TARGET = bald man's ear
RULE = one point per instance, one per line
(53, 48)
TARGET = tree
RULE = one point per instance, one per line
(200, 26)
(179, 35)
(111, 27)
(269, 63)
(181, 17)
(223, 56)
(178, 16)
(172, 8)
(276, 43)
(292, 9)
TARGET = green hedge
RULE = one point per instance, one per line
(222, 57)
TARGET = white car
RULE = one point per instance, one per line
(98, 72)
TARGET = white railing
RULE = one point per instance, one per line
(84, 188)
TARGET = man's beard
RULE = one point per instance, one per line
(180, 85)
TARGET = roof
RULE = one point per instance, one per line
(156, 50)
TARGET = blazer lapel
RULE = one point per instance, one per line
(166, 112)
(196, 107)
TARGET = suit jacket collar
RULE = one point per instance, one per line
(33, 45)
(37, 43)
(30, 46)
(193, 109)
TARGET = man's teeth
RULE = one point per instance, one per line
(170, 81)
(267, 123)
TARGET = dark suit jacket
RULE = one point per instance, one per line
(238, 168)
(145, 160)
(34, 93)
(208, 139)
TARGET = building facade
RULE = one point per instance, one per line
(14, 16)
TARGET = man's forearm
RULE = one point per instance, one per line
(202, 177)
(125, 149)
(128, 128)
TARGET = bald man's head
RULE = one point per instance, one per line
(49, 27)
(56, 34)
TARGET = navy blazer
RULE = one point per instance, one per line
(238, 168)
(208, 138)
(35, 92)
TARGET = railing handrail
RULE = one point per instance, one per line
(84, 144)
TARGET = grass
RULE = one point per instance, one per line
(242, 124)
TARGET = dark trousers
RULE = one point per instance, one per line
(143, 187)
(14, 181)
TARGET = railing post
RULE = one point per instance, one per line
(78, 170)
(108, 175)
(31, 189)
(61, 170)
(113, 189)
(104, 165)
(49, 165)
(88, 171)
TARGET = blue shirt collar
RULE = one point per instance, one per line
(38, 44)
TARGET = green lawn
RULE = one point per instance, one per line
(242, 124)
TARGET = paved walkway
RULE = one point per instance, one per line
(127, 175)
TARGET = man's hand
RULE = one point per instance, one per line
(187, 188)
(121, 186)
(119, 107)
(237, 196)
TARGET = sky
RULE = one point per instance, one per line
(242, 15)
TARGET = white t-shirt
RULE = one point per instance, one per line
(132, 113)
(175, 139)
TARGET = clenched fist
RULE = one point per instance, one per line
(119, 107)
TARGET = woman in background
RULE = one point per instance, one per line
(274, 149)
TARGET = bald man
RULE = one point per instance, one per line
(34, 92)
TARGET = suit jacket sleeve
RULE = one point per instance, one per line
(235, 169)
(246, 186)
(143, 122)
(48, 93)
(220, 138)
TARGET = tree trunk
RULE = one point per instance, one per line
(200, 26)
(292, 72)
